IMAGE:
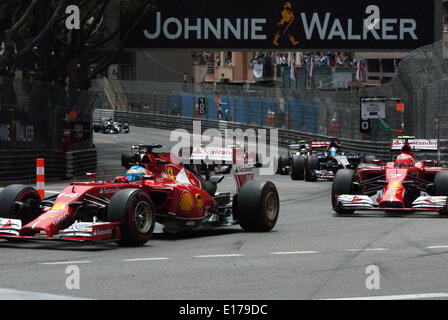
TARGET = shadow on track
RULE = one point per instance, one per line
(195, 234)
(30, 245)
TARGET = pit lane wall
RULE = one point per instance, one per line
(165, 122)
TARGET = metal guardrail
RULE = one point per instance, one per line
(286, 137)
(165, 122)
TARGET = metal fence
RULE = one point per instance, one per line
(43, 115)
(421, 82)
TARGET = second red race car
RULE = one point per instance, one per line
(402, 186)
(156, 188)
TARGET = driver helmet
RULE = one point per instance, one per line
(333, 151)
(404, 160)
(136, 173)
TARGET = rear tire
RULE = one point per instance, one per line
(135, 211)
(20, 193)
(311, 165)
(257, 206)
(441, 187)
(298, 168)
(342, 184)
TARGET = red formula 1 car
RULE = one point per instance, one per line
(125, 210)
(405, 185)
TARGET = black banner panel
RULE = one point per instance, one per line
(293, 25)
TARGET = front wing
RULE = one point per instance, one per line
(366, 203)
(78, 232)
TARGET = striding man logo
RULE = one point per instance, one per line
(285, 26)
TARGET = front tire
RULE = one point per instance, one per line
(257, 206)
(135, 211)
(342, 184)
(14, 194)
(311, 165)
(298, 168)
(441, 187)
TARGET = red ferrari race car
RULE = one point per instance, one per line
(125, 210)
(405, 185)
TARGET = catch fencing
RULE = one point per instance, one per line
(421, 82)
(42, 120)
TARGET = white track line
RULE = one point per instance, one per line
(437, 247)
(65, 262)
(399, 297)
(294, 252)
(366, 250)
(220, 255)
(145, 259)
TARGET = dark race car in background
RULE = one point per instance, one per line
(404, 186)
(108, 126)
(301, 148)
(323, 162)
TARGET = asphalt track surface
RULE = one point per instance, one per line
(311, 253)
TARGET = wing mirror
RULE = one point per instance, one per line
(91, 175)
(428, 163)
(377, 162)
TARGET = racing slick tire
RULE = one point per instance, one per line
(298, 168)
(311, 165)
(283, 163)
(135, 211)
(441, 187)
(342, 184)
(257, 206)
(20, 193)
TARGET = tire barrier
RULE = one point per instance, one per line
(20, 165)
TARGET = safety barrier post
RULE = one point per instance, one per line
(40, 177)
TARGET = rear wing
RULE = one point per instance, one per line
(212, 154)
(242, 162)
(229, 155)
(324, 144)
(320, 144)
(416, 144)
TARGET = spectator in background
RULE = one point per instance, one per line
(333, 128)
(280, 119)
(228, 115)
(175, 110)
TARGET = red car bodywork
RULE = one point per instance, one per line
(393, 188)
(176, 192)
